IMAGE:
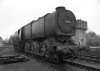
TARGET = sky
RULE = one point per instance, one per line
(16, 13)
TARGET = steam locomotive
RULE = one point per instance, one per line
(50, 36)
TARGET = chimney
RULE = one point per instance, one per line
(60, 8)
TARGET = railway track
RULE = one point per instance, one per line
(91, 62)
(91, 59)
(76, 65)
(88, 65)
(8, 56)
(93, 56)
(68, 65)
(41, 59)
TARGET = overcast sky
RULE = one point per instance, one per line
(16, 13)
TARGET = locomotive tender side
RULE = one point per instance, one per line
(54, 28)
(59, 22)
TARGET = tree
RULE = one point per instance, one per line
(93, 39)
(1, 41)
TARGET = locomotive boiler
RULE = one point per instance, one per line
(49, 36)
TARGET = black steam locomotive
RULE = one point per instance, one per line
(50, 36)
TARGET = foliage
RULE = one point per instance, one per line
(1, 41)
(93, 39)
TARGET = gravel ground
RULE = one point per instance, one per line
(31, 65)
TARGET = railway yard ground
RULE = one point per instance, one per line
(34, 64)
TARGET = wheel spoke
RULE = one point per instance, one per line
(55, 58)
